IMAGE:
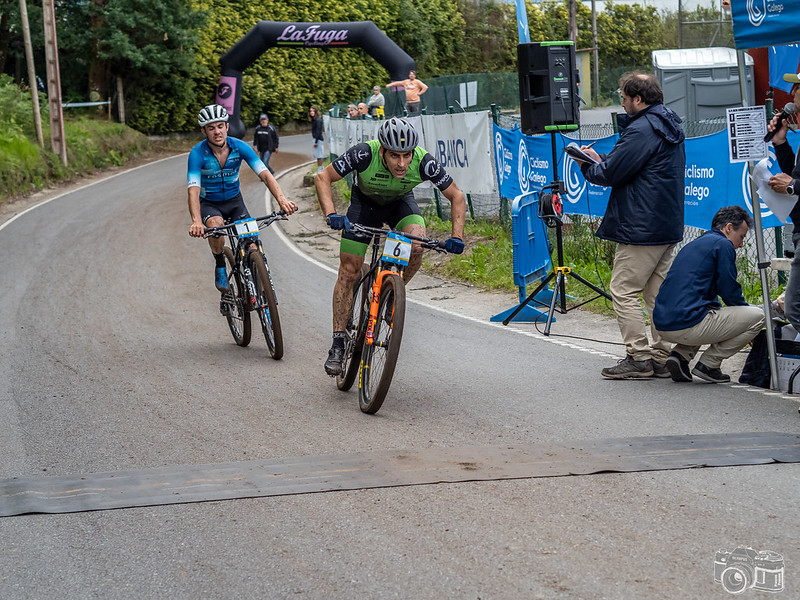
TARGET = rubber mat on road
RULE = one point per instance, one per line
(336, 472)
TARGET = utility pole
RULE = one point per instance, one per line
(120, 101)
(57, 137)
(32, 82)
(573, 22)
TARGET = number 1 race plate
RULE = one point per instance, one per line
(397, 249)
(246, 228)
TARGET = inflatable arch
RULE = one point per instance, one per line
(269, 34)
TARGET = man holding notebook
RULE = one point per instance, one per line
(645, 171)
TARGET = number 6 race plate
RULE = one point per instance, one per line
(246, 228)
(397, 249)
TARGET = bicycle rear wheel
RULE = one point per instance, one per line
(266, 305)
(355, 332)
(378, 359)
(232, 303)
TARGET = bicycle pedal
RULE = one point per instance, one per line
(225, 309)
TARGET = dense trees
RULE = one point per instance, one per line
(162, 55)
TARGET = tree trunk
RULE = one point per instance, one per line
(97, 66)
(5, 35)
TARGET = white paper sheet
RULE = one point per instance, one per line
(780, 204)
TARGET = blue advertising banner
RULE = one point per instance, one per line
(524, 164)
(762, 23)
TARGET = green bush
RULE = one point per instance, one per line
(95, 144)
(22, 167)
(91, 144)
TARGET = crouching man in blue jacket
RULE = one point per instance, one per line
(687, 311)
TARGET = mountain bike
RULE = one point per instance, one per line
(250, 286)
(375, 325)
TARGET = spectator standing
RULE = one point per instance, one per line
(376, 102)
(414, 89)
(316, 135)
(645, 171)
(265, 140)
(687, 311)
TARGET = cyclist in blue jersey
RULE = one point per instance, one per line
(213, 174)
(386, 171)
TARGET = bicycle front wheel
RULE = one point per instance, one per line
(356, 330)
(232, 303)
(266, 305)
(378, 359)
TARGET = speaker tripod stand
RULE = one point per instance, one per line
(552, 218)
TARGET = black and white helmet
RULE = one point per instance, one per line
(398, 135)
(211, 114)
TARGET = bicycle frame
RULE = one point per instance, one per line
(373, 339)
(240, 245)
(376, 295)
(387, 268)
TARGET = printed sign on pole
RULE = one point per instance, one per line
(747, 126)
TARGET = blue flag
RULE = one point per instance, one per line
(783, 59)
(522, 23)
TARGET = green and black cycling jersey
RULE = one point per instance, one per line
(377, 184)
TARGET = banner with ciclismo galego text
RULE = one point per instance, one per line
(525, 163)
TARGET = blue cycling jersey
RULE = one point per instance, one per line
(217, 183)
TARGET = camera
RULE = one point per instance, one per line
(745, 568)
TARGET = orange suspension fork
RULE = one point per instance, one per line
(373, 305)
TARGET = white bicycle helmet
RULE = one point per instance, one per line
(398, 135)
(211, 114)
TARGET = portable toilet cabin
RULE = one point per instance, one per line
(700, 83)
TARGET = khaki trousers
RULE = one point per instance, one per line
(727, 329)
(639, 270)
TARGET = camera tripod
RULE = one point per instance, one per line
(552, 218)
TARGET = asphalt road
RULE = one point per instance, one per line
(115, 357)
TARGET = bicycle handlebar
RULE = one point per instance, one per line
(364, 231)
(265, 221)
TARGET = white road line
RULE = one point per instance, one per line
(83, 187)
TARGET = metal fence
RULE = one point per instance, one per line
(465, 92)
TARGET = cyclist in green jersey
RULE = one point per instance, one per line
(386, 172)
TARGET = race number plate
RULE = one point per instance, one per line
(397, 249)
(246, 228)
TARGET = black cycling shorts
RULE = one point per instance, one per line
(230, 210)
(365, 212)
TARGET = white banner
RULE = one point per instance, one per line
(344, 133)
(459, 141)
